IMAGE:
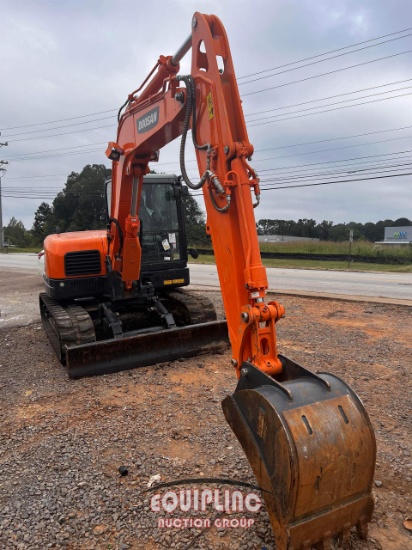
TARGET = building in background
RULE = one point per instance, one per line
(397, 235)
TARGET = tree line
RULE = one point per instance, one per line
(327, 230)
(81, 205)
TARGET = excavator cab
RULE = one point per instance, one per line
(162, 234)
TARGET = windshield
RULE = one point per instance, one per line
(159, 223)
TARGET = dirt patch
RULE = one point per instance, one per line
(63, 441)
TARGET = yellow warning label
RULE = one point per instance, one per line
(210, 108)
(173, 281)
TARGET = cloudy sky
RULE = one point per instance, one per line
(326, 88)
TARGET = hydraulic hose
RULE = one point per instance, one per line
(217, 207)
(208, 175)
(191, 112)
(121, 109)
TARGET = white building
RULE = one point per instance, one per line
(397, 235)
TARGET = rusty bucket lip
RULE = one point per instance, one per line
(149, 348)
(297, 515)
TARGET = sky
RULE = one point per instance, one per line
(317, 111)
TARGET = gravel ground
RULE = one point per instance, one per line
(63, 441)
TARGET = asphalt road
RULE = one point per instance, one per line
(392, 286)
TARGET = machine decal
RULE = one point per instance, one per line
(148, 121)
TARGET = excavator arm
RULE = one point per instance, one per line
(207, 101)
(307, 436)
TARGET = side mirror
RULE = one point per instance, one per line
(193, 252)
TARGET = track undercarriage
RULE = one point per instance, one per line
(97, 337)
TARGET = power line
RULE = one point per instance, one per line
(334, 139)
(258, 123)
(239, 78)
(348, 169)
(63, 133)
(314, 143)
(27, 157)
(256, 150)
(59, 127)
(325, 111)
(339, 174)
(267, 122)
(323, 183)
(332, 182)
(341, 148)
(45, 197)
(334, 103)
(42, 176)
(334, 161)
(322, 60)
(30, 192)
(342, 164)
(247, 115)
(61, 120)
(36, 195)
(322, 54)
(71, 154)
(326, 74)
(331, 97)
(265, 188)
(252, 114)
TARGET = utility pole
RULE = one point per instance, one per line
(2, 172)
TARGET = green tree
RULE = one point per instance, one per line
(371, 232)
(266, 227)
(195, 222)
(339, 232)
(402, 221)
(16, 234)
(81, 204)
(323, 230)
(42, 223)
(306, 228)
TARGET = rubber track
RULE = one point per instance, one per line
(199, 307)
(66, 326)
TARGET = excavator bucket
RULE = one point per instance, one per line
(311, 446)
(149, 348)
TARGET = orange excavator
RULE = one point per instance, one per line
(307, 436)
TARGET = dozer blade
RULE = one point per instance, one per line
(312, 448)
(140, 350)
